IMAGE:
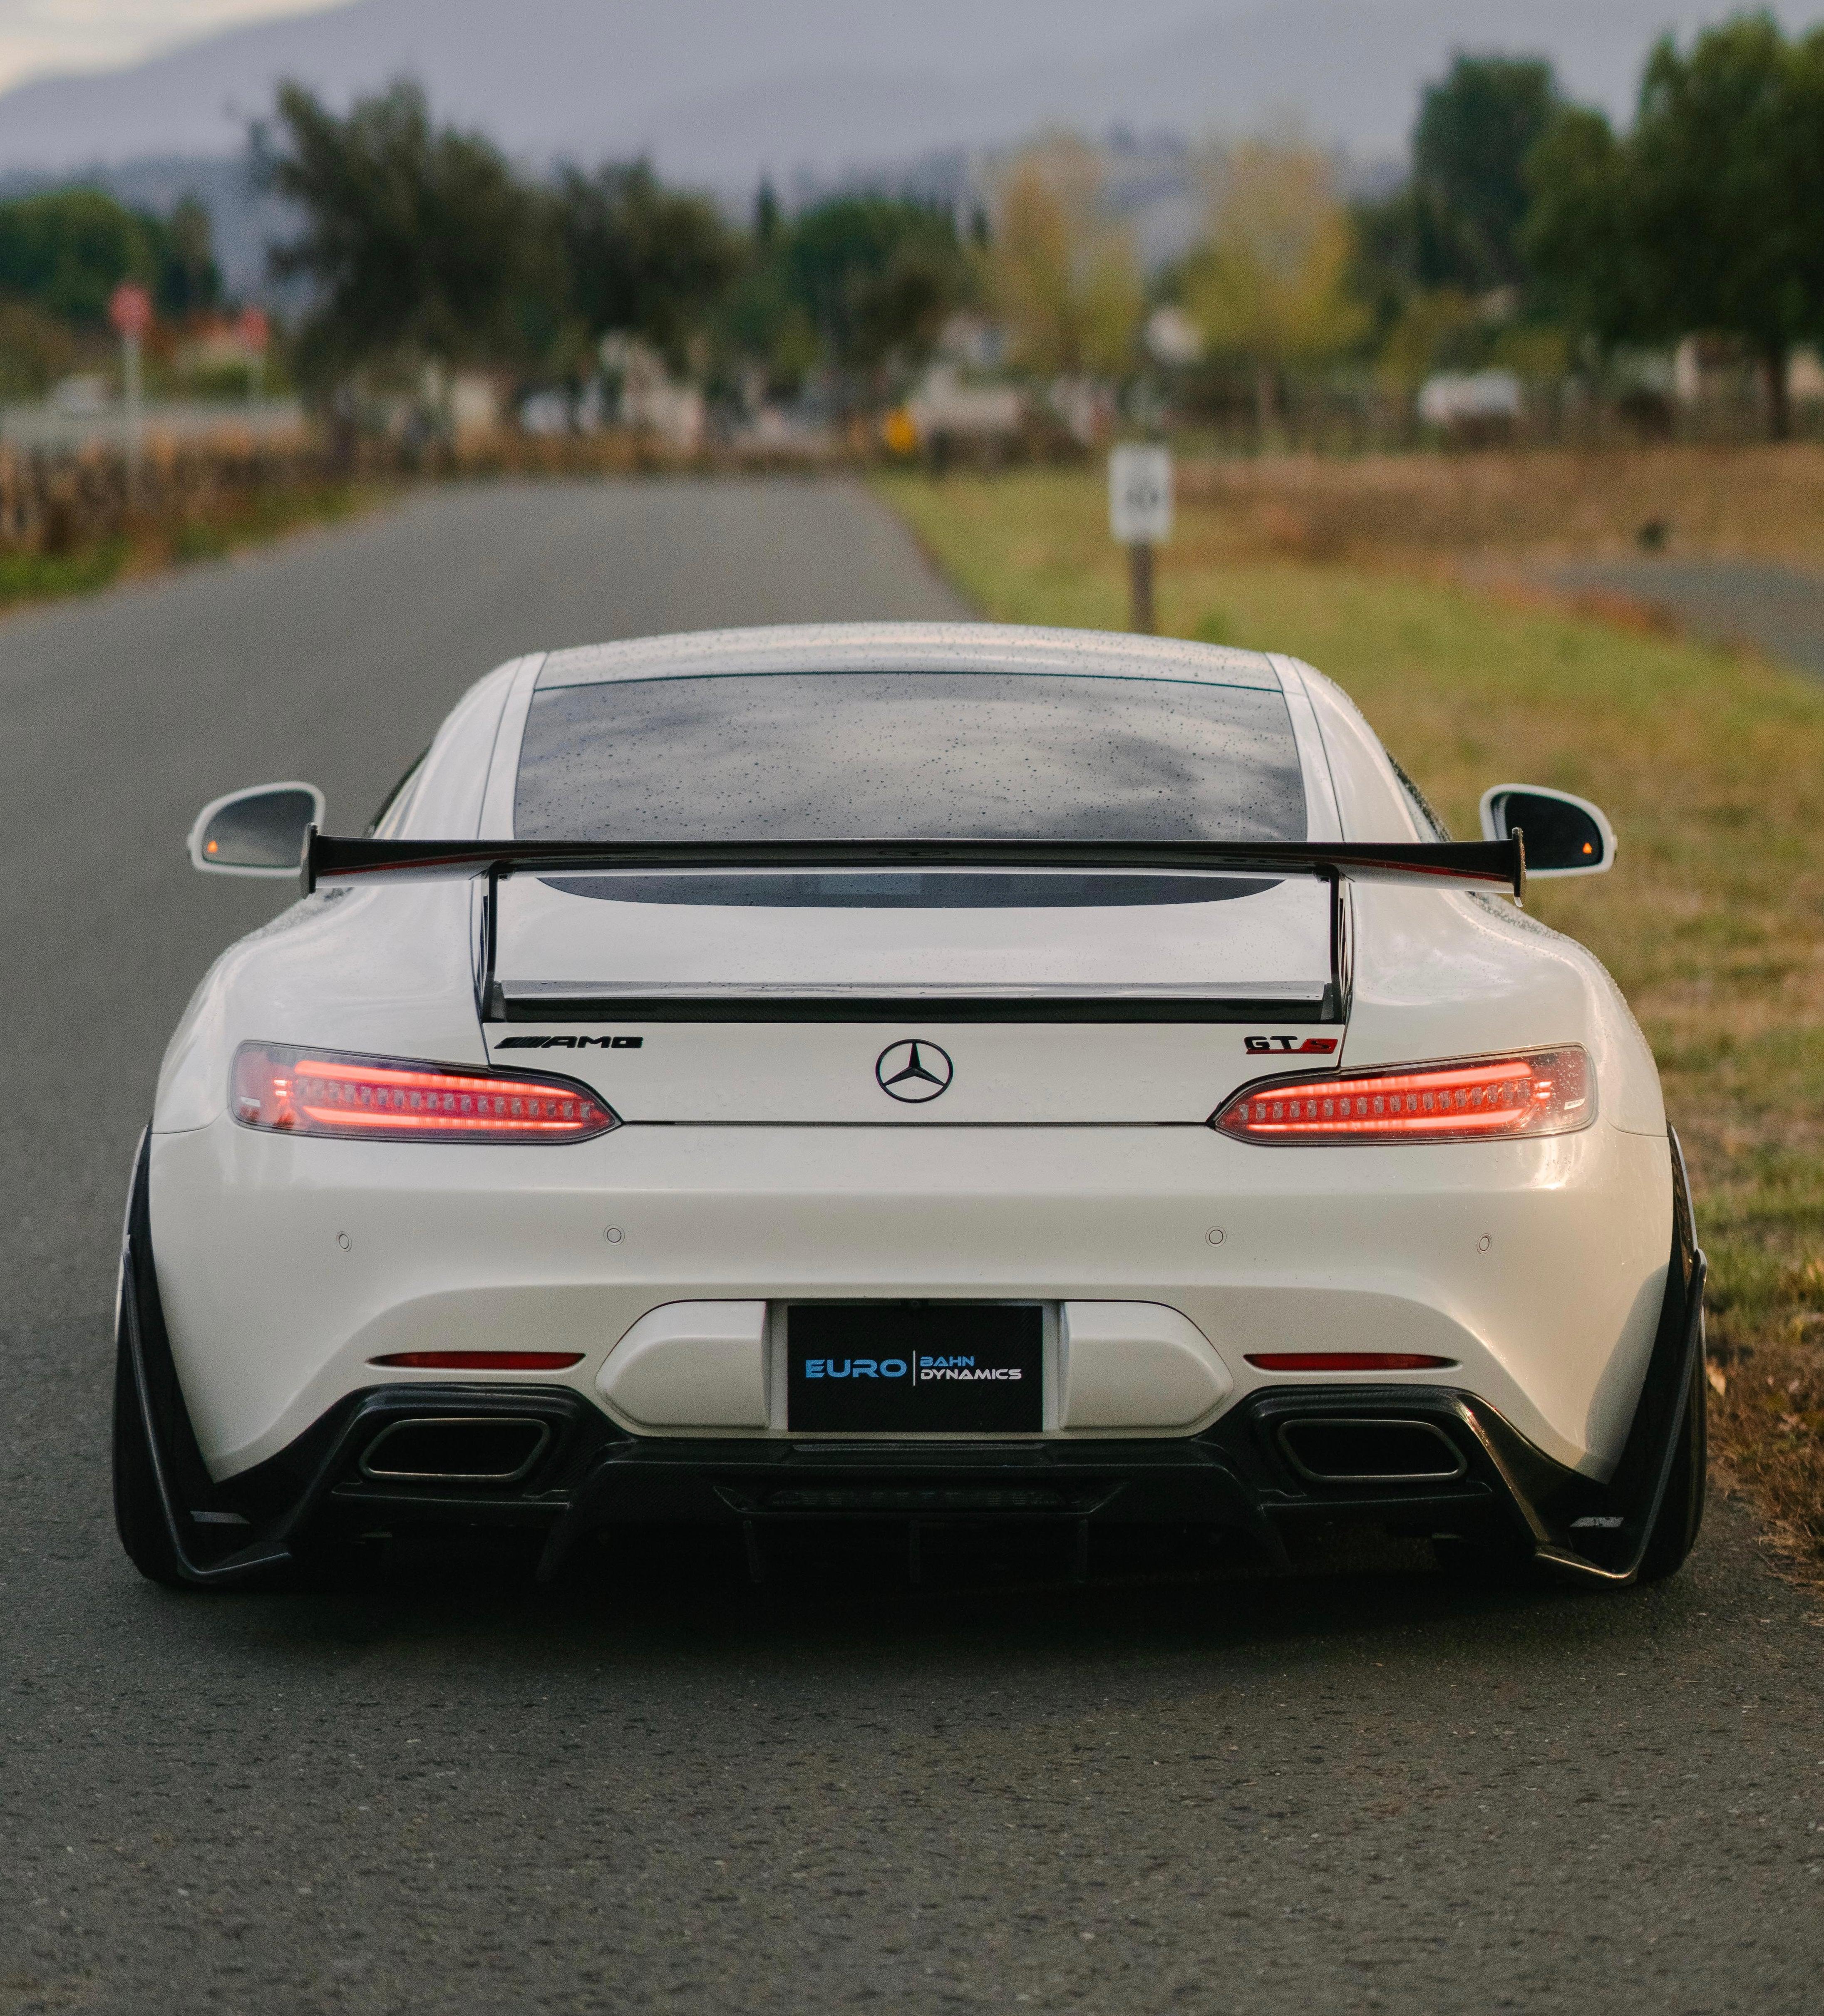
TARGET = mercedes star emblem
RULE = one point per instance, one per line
(913, 1071)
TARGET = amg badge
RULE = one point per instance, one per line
(1307, 1047)
(569, 1042)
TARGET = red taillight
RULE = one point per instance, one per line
(482, 1361)
(1344, 1361)
(382, 1099)
(1540, 1092)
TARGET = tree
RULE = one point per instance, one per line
(36, 350)
(1581, 238)
(1457, 224)
(641, 257)
(190, 281)
(421, 245)
(877, 276)
(1269, 289)
(67, 251)
(1477, 127)
(860, 284)
(759, 323)
(1728, 160)
(1061, 275)
(1438, 328)
(766, 216)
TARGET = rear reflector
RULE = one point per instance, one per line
(1538, 1092)
(1321, 1361)
(385, 1099)
(482, 1361)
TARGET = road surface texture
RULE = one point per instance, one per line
(1777, 609)
(435, 1788)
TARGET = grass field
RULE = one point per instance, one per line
(1711, 766)
(1526, 507)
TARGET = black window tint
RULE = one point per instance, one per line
(908, 755)
(1430, 825)
(934, 891)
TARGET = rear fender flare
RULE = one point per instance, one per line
(179, 1473)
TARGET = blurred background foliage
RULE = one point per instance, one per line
(1061, 275)
(1529, 238)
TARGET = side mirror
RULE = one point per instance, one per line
(257, 832)
(1564, 835)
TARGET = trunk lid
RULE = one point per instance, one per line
(1031, 1012)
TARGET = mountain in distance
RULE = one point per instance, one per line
(543, 76)
(718, 91)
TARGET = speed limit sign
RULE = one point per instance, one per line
(1139, 495)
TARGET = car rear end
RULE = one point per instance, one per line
(933, 1195)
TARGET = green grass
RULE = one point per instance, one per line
(1710, 765)
(267, 514)
(28, 577)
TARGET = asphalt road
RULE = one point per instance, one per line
(437, 1789)
(1778, 609)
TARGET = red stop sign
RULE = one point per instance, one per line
(130, 309)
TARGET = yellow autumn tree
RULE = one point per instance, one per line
(1061, 275)
(1267, 287)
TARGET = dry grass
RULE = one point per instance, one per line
(1767, 1421)
(1711, 765)
(1538, 506)
(152, 544)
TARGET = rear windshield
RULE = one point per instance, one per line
(908, 756)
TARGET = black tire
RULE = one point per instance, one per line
(1680, 1515)
(139, 1512)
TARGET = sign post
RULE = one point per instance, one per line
(255, 332)
(130, 311)
(1140, 517)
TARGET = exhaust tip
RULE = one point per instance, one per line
(458, 1448)
(1344, 1450)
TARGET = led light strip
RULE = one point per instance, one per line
(1548, 1092)
(281, 1090)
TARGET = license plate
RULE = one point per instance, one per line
(914, 1368)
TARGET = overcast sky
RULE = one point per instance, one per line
(716, 91)
(41, 35)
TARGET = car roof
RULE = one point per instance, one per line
(908, 647)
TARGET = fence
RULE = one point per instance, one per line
(55, 502)
(1351, 415)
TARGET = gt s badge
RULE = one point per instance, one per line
(1314, 1047)
(569, 1042)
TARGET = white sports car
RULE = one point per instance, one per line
(923, 1072)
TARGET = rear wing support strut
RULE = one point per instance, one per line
(490, 941)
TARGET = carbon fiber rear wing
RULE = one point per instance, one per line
(1476, 864)
(1493, 864)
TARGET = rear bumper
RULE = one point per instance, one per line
(1536, 1267)
(1250, 1472)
